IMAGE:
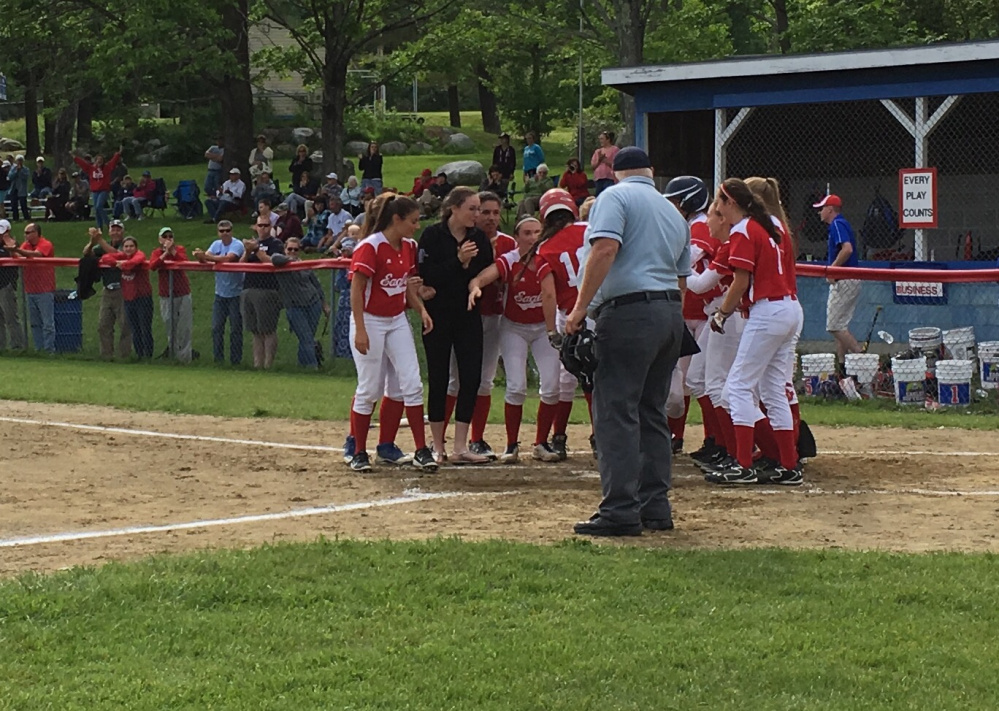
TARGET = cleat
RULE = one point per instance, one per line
(677, 446)
(734, 474)
(706, 449)
(360, 462)
(719, 459)
(349, 449)
(482, 448)
(765, 465)
(782, 477)
(559, 445)
(511, 455)
(389, 453)
(593, 444)
(424, 459)
(543, 452)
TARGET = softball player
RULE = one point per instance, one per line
(379, 331)
(528, 321)
(759, 256)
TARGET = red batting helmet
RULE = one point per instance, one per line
(557, 199)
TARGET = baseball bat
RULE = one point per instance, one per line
(867, 343)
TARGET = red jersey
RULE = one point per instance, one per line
(751, 248)
(700, 237)
(181, 284)
(790, 258)
(38, 278)
(491, 303)
(562, 253)
(523, 298)
(388, 273)
(99, 178)
(134, 274)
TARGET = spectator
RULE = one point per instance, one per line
(367, 200)
(112, 308)
(341, 281)
(78, 204)
(260, 303)
(304, 302)
(430, 201)
(215, 155)
(370, 165)
(264, 190)
(574, 180)
(39, 286)
(136, 292)
(533, 190)
(288, 225)
(143, 194)
(332, 187)
(603, 161)
(175, 296)
(351, 196)
(41, 180)
(18, 194)
(99, 175)
(336, 223)
(4, 187)
(264, 210)
(584, 209)
(505, 157)
(124, 191)
(10, 323)
(55, 203)
(301, 163)
(228, 287)
(495, 182)
(421, 183)
(534, 156)
(261, 157)
(230, 196)
(317, 218)
(305, 189)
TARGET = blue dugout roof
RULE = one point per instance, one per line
(932, 70)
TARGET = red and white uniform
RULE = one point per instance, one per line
(389, 334)
(767, 345)
(790, 271)
(134, 274)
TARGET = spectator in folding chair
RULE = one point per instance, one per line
(534, 188)
(351, 196)
(264, 190)
(124, 191)
(188, 198)
(305, 189)
(78, 204)
(315, 224)
(229, 198)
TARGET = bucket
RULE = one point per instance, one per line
(954, 381)
(910, 380)
(960, 342)
(988, 358)
(816, 367)
(68, 323)
(927, 341)
(864, 366)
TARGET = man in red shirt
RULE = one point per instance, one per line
(39, 286)
(175, 296)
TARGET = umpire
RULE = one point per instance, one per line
(635, 268)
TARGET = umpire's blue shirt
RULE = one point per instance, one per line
(654, 239)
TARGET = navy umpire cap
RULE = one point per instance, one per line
(631, 158)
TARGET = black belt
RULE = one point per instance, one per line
(637, 296)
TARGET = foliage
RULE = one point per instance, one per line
(365, 125)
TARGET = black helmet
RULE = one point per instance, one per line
(578, 355)
(690, 191)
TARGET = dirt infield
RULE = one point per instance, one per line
(868, 493)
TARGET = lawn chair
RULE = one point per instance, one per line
(158, 201)
(188, 197)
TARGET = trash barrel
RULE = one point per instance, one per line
(68, 322)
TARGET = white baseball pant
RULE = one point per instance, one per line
(390, 342)
(490, 358)
(696, 373)
(761, 364)
(516, 339)
(792, 393)
(678, 389)
(722, 349)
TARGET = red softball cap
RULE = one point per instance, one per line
(833, 200)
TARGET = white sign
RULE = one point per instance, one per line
(920, 289)
(917, 198)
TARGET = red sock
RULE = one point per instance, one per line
(743, 445)
(480, 415)
(389, 417)
(450, 402)
(788, 447)
(512, 415)
(414, 413)
(796, 419)
(546, 414)
(562, 412)
(359, 425)
(351, 420)
(708, 417)
(764, 433)
(678, 425)
(726, 430)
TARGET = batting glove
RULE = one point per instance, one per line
(718, 322)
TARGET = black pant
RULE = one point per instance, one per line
(139, 312)
(462, 332)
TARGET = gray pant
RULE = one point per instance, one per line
(179, 323)
(112, 313)
(9, 321)
(41, 315)
(637, 346)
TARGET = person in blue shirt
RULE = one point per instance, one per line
(843, 293)
(533, 155)
(228, 288)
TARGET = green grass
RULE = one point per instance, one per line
(448, 625)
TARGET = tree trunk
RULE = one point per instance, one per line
(235, 94)
(48, 129)
(334, 102)
(62, 136)
(32, 146)
(487, 100)
(453, 107)
(780, 14)
(85, 120)
(630, 31)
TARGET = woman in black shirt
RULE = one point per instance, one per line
(452, 253)
(370, 166)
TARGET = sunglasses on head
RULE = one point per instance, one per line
(263, 224)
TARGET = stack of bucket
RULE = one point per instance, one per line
(927, 341)
(959, 343)
(816, 367)
(988, 360)
(910, 380)
(863, 366)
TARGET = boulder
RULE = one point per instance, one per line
(420, 148)
(9, 144)
(345, 171)
(459, 142)
(152, 144)
(393, 148)
(144, 159)
(355, 148)
(159, 155)
(302, 134)
(463, 172)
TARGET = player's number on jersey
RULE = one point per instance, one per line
(570, 268)
(780, 257)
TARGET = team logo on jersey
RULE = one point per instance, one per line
(527, 301)
(393, 286)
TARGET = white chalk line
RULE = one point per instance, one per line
(407, 498)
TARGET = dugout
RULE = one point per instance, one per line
(846, 121)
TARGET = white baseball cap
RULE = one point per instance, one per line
(331, 175)
(234, 171)
(4, 227)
